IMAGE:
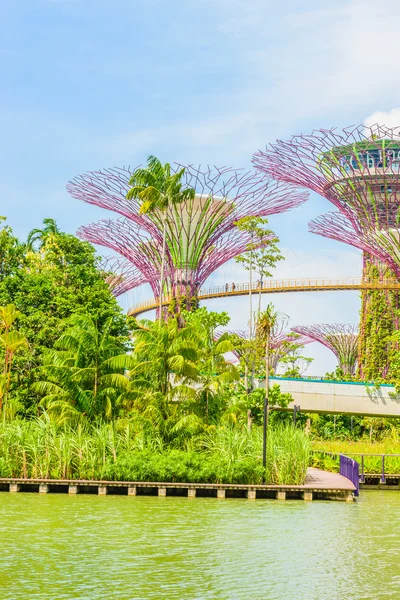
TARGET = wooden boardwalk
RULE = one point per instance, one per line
(325, 480)
(319, 485)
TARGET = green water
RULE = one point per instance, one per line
(89, 547)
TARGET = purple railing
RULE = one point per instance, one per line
(351, 469)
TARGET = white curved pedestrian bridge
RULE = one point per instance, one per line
(333, 397)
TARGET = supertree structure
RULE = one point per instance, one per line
(280, 339)
(200, 234)
(120, 274)
(357, 170)
(341, 339)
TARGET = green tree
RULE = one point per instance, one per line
(261, 255)
(47, 287)
(85, 372)
(11, 342)
(164, 355)
(216, 374)
(12, 251)
(158, 190)
(267, 322)
(40, 237)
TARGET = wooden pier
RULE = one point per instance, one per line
(319, 485)
(375, 481)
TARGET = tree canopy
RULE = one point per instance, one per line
(47, 286)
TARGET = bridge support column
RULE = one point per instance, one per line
(43, 488)
(191, 493)
(102, 490)
(162, 492)
(308, 496)
(132, 490)
(251, 494)
(281, 495)
(220, 494)
(14, 487)
(72, 489)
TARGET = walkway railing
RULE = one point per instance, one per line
(351, 469)
(348, 467)
(272, 286)
(383, 459)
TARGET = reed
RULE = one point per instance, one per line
(120, 451)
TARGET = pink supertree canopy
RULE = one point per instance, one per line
(121, 274)
(341, 339)
(358, 170)
(382, 244)
(280, 338)
(201, 233)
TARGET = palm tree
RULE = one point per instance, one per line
(267, 322)
(158, 190)
(167, 349)
(12, 342)
(85, 374)
(41, 236)
(8, 314)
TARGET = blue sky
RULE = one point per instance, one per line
(93, 83)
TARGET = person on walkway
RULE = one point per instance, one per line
(226, 287)
(233, 286)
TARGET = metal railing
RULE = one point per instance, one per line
(279, 286)
(351, 469)
(383, 459)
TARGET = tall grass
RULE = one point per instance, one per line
(117, 451)
(372, 464)
(288, 451)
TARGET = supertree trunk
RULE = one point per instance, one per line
(378, 321)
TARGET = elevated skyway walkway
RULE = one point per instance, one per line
(275, 286)
(333, 397)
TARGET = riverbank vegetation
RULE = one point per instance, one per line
(124, 450)
(87, 392)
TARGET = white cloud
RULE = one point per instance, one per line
(390, 118)
(323, 65)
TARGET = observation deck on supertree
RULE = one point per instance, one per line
(341, 339)
(358, 171)
(201, 233)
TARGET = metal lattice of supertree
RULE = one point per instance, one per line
(280, 339)
(358, 170)
(120, 274)
(381, 246)
(201, 233)
(341, 339)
